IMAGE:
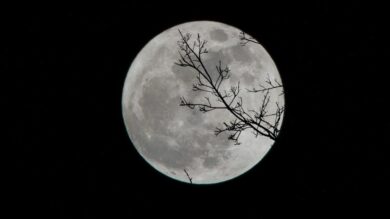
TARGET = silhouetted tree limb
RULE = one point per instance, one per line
(270, 85)
(258, 121)
(246, 39)
(188, 176)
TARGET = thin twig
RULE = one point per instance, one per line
(188, 175)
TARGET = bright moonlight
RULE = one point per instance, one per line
(203, 102)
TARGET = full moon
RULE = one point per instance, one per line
(180, 141)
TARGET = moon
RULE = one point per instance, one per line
(176, 140)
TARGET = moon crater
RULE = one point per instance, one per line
(218, 35)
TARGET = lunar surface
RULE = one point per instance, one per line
(174, 138)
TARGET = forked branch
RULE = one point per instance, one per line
(246, 39)
(216, 98)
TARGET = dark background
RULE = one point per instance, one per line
(73, 157)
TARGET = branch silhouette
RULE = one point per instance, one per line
(188, 176)
(246, 39)
(270, 85)
(258, 121)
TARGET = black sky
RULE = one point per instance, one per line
(67, 66)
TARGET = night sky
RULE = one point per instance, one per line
(72, 156)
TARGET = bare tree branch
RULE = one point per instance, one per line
(188, 176)
(191, 53)
(246, 39)
(270, 86)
